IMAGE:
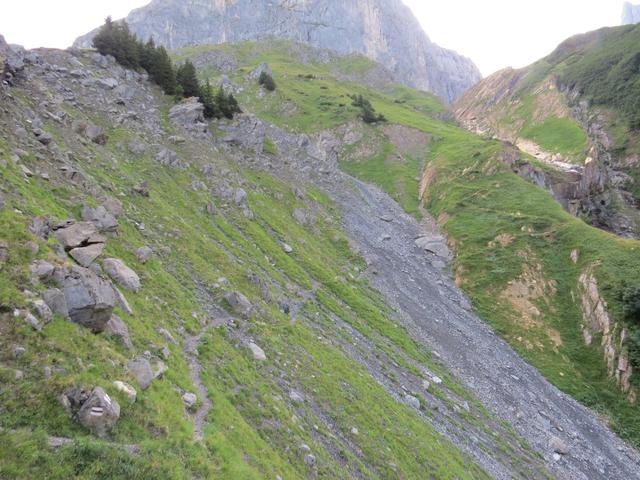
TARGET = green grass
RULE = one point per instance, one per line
(561, 135)
(251, 432)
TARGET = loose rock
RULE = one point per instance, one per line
(122, 274)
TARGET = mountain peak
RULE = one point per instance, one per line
(630, 14)
(383, 30)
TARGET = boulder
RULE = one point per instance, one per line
(144, 254)
(122, 274)
(137, 148)
(140, 369)
(258, 353)
(189, 114)
(168, 158)
(239, 303)
(89, 299)
(43, 311)
(240, 197)
(95, 410)
(55, 300)
(79, 234)
(116, 327)
(259, 70)
(85, 256)
(104, 220)
(287, 248)
(99, 413)
(121, 301)
(190, 399)
(300, 216)
(113, 206)
(412, 401)
(558, 446)
(42, 269)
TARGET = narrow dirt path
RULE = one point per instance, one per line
(195, 370)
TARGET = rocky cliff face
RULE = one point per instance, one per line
(630, 14)
(383, 30)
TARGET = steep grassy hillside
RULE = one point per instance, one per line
(328, 401)
(514, 243)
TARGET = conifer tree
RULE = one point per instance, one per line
(187, 77)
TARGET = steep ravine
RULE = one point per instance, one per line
(437, 313)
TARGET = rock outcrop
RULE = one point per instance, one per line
(630, 14)
(383, 30)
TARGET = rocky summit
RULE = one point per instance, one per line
(383, 30)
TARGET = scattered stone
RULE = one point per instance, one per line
(300, 216)
(143, 254)
(142, 189)
(127, 389)
(425, 384)
(574, 256)
(210, 208)
(436, 380)
(18, 375)
(18, 351)
(140, 369)
(104, 220)
(385, 238)
(89, 299)
(96, 134)
(32, 321)
(137, 148)
(310, 460)
(42, 269)
(40, 227)
(43, 310)
(168, 158)
(386, 218)
(46, 371)
(116, 327)
(412, 401)
(113, 206)
(160, 369)
(85, 256)
(26, 171)
(176, 139)
(190, 399)
(287, 248)
(296, 397)
(107, 83)
(122, 301)
(122, 274)
(258, 353)
(240, 197)
(558, 446)
(354, 431)
(239, 303)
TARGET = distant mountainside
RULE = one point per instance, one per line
(577, 111)
(383, 30)
(630, 14)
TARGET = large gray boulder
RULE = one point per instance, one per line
(122, 274)
(140, 369)
(189, 114)
(89, 299)
(100, 216)
(79, 234)
(239, 303)
(95, 410)
(384, 30)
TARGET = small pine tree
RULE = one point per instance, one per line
(207, 98)
(114, 38)
(267, 81)
(187, 77)
(162, 71)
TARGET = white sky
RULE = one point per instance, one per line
(493, 33)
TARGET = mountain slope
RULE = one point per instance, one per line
(358, 356)
(575, 111)
(382, 30)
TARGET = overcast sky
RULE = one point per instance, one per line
(493, 33)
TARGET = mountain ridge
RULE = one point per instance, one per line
(383, 30)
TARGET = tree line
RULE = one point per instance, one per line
(116, 39)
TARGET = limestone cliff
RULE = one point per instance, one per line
(384, 30)
(630, 14)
